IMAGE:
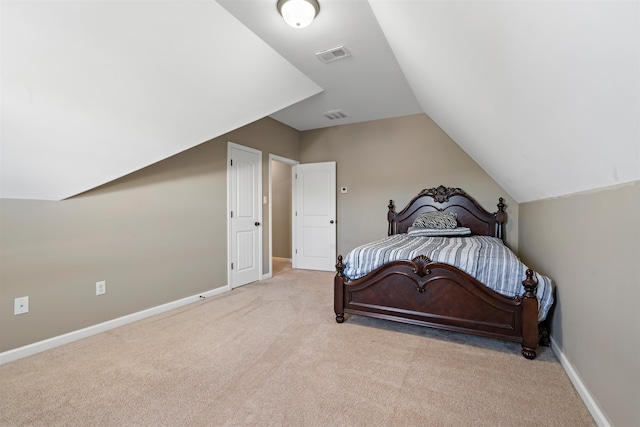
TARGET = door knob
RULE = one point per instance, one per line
(331, 222)
(257, 223)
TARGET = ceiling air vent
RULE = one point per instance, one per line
(333, 54)
(335, 114)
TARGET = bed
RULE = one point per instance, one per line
(424, 290)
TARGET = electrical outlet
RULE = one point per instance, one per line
(101, 287)
(20, 305)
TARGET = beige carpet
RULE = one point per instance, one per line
(271, 354)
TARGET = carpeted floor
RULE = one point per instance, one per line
(271, 354)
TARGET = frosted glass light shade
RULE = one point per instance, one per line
(298, 13)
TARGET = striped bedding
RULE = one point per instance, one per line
(483, 257)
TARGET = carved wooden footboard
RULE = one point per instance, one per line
(421, 292)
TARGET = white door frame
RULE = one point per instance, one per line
(289, 162)
(231, 145)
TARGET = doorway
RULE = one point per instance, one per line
(302, 213)
(280, 215)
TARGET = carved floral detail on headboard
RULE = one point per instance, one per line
(441, 194)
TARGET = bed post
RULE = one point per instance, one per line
(500, 218)
(338, 291)
(391, 217)
(529, 317)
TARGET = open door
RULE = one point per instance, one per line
(314, 230)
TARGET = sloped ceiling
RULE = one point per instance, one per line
(367, 85)
(94, 90)
(544, 95)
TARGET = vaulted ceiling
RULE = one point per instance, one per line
(545, 96)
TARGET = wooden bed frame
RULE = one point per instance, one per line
(426, 293)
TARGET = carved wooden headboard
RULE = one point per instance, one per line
(455, 200)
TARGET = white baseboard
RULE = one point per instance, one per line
(40, 346)
(582, 390)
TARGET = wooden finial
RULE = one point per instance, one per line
(530, 284)
(340, 267)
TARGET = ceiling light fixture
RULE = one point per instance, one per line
(298, 13)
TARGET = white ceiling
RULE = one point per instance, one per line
(94, 90)
(369, 85)
(545, 96)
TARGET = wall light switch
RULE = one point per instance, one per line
(20, 305)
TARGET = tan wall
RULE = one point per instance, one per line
(155, 236)
(589, 244)
(281, 209)
(395, 159)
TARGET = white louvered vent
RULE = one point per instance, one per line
(333, 54)
(335, 114)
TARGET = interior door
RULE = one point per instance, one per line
(314, 216)
(245, 214)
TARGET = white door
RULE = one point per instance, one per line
(245, 214)
(314, 216)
